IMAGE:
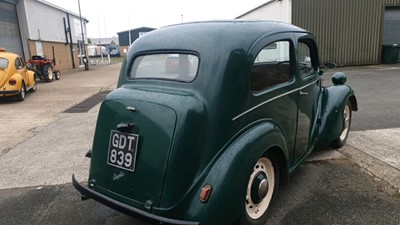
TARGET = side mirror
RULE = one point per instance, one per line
(339, 78)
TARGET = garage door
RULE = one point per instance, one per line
(10, 37)
(391, 31)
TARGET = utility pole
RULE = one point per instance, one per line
(129, 25)
(83, 57)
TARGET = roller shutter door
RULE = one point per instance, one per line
(391, 31)
(10, 37)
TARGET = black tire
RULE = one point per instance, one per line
(48, 73)
(261, 191)
(57, 75)
(341, 140)
(22, 93)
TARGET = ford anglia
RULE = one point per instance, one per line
(208, 138)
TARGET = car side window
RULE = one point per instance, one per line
(22, 62)
(3, 63)
(271, 66)
(18, 64)
(306, 58)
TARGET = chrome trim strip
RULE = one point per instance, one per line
(272, 99)
(130, 108)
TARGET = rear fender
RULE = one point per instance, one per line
(230, 173)
(18, 84)
(333, 102)
(11, 90)
(31, 79)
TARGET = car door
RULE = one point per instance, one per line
(308, 80)
(273, 84)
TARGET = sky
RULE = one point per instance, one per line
(108, 17)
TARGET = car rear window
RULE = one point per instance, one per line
(3, 63)
(174, 66)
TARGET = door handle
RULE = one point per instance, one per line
(303, 93)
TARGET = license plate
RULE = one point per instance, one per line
(122, 150)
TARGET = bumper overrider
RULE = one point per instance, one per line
(124, 208)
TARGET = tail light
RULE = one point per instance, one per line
(12, 81)
(205, 193)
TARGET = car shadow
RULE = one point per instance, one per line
(323, 148)
(7, 100)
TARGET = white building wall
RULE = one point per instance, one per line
(272, 10)
(45, 22)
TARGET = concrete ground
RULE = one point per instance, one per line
(41, 145)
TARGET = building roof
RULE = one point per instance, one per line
(105, 41)
(139, 28)
(258, 7)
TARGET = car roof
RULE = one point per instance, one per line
(210, 35)
(8, 55)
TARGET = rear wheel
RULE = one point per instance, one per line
(48, 73)
(261, 190)
(341, 140)
(57, 75)
(22, 92)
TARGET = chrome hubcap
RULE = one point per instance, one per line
(259, 188)
(50, 72)
(263, 189)
(346, 119)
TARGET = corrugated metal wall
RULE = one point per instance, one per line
(10, 37)
(349, 32)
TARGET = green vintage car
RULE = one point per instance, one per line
(207, 137)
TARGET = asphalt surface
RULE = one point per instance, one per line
(41, 147)
(374, 140)
(377, 89)
(334, 191)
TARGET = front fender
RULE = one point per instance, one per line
(230, 173)
(333, 102)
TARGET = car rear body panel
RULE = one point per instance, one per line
(163, 150)
(154, 124)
